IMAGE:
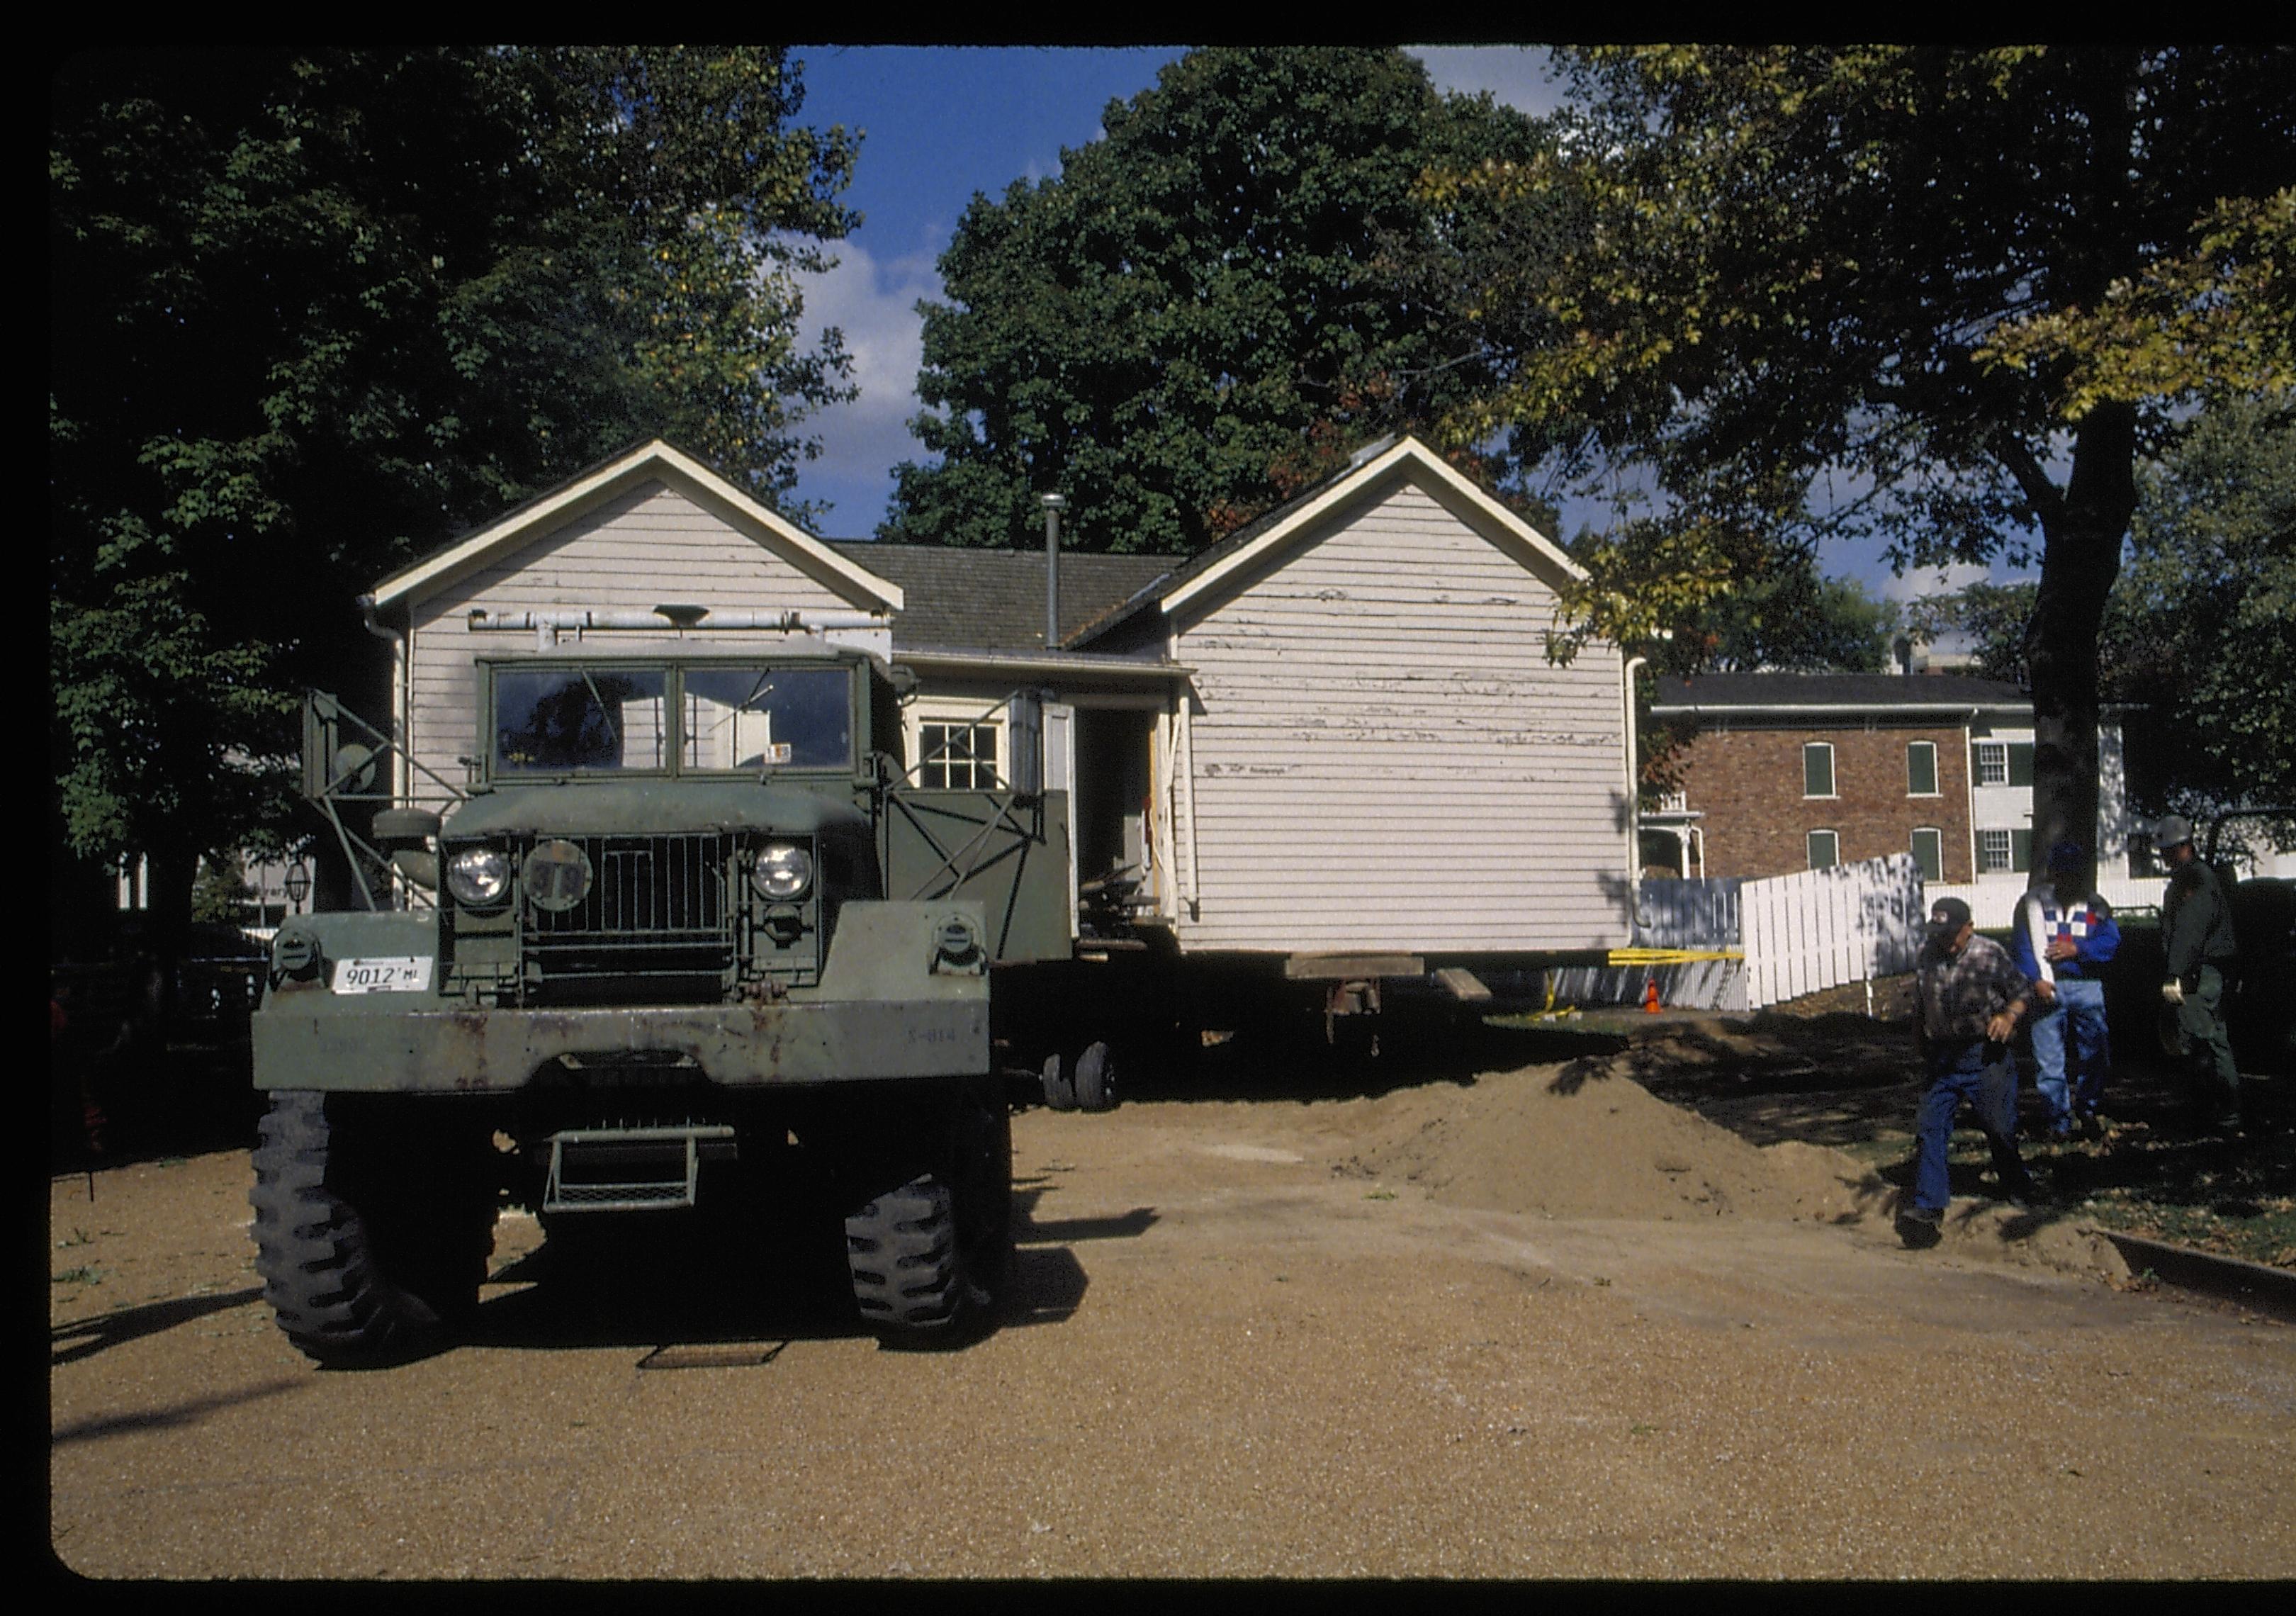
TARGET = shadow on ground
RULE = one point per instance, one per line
(1850, 1083)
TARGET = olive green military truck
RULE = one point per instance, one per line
(686, 916)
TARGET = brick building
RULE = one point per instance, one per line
(1787, 772)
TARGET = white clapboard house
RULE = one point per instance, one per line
(1337, 732)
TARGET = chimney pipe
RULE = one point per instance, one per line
(1053, 505)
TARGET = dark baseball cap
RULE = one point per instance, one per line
(1950, 913)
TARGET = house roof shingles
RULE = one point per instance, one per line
(994, 599)
(1784, 693)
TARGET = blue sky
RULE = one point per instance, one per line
(941, 123)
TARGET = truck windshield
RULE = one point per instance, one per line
(550, 720)
(732, 717)
(760, 717)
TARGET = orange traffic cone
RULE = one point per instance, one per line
(1650, 997)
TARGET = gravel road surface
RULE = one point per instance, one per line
(1273, 1338)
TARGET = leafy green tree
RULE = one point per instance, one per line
(1192, 320)
(313, 312)
(2200, 636)
(2199, 632)
(1992, 619)
(1949, 298)
(1789, 620)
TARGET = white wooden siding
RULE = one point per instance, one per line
(1380, 754)
(650, 545)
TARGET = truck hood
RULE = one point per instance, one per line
(651, 806)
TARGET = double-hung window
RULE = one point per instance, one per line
(1921, 768)
(1999, 851)
(1824, 848)
(1818, 769)
(2002, 762)
(1929, 852)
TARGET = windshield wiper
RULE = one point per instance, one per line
(613, 733)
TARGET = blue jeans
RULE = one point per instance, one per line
(2075, 1028)
(1956, 1076)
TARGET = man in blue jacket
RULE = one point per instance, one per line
(2062, 938)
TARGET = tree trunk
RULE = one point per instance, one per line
(2080, 559)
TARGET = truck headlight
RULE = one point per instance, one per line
(557, 876)
(478, 876)
(784, 872)
(295, 953)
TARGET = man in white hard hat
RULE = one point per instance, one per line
(2196, 930)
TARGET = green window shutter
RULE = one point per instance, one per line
(2020, 842)
(2021, 765)
(1818, 769)
(1921, 769)
(1928, 853)
(1976, 771)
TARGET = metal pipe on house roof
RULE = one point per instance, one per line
(1053, 505)
(547, 623)
(402, 783)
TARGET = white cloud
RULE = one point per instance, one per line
(874, 304)
(1916, 582)
(1517, 75)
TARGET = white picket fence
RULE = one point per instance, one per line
(1819, 929)
(1992, 904)
(1792, 935)
(1797, 934)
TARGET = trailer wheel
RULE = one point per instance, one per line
(372, 1249)
(928, 1255)
(1095, 1079)
(1060, 1089)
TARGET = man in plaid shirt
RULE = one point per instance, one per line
(1967, 1000)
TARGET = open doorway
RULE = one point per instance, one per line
(1115, 856)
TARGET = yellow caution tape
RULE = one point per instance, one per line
(1668, 956)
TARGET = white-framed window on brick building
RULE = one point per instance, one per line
(2001, 762)
(1921, 768)
(2004, 850)
(959, 757)
(1928, 851)
(1817, 768)
(1824, 848)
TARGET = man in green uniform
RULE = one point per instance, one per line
(2196, 928)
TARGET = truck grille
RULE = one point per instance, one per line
(658, 908)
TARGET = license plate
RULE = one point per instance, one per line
(410, 973)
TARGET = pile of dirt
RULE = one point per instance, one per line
(1549, 1140)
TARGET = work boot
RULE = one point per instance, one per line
(1919, 1227)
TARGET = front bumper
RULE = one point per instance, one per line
(889, 1005)
(740, 1046)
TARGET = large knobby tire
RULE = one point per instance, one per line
(928, 1254)
(371, 1239)
(1060, 1088)
(1095, 1079)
